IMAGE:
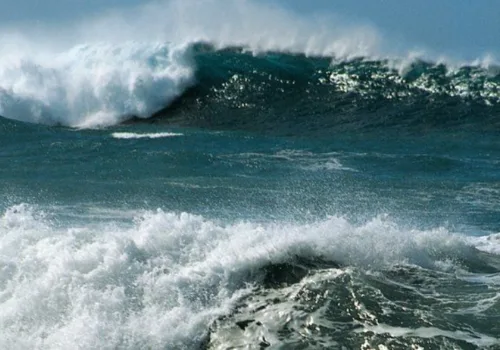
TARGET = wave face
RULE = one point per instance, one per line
(297, 94)
(199, 85)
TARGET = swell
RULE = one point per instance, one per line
(295, 94)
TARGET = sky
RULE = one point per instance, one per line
(464, 28)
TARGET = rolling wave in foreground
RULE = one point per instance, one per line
(252, 179)
(162, 280)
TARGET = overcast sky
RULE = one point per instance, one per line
(467, 28)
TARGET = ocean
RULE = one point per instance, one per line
(201, 196)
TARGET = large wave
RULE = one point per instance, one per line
(95, 85)
(263, 66)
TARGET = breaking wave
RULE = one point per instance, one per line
(93, 85)
(157, 280)
(246, 65)
(102, 85)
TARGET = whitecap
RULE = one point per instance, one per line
(132, 135)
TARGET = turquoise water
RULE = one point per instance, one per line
(246, 175)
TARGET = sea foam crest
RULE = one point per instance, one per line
(93, 85)
(158, 281)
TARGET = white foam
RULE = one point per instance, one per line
(475, 338)
(93, 85)
(132, 135)
(489, 243)
(160, 280)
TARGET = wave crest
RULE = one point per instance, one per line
(93, 85)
